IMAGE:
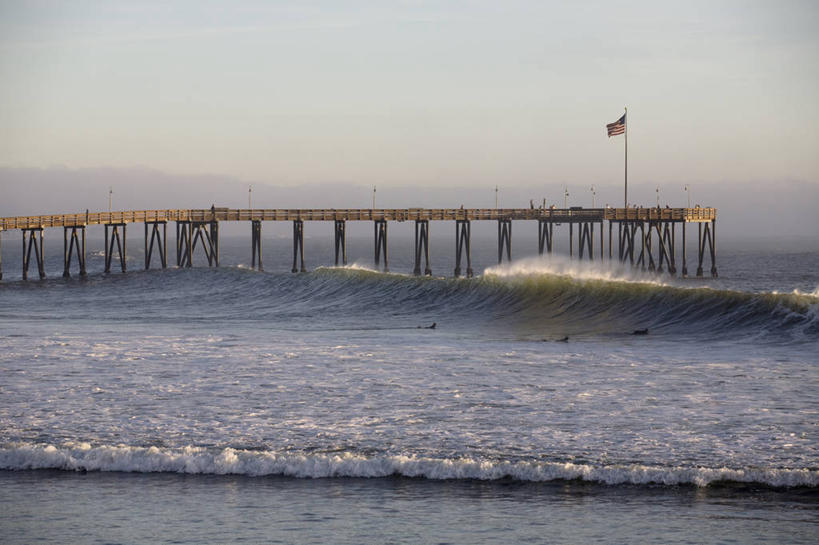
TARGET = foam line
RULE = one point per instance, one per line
(230, 461)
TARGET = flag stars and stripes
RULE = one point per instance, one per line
(618, 127)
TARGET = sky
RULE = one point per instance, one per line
(424, 94)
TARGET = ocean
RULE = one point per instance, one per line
(222, 405)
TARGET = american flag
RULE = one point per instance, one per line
(618, 127)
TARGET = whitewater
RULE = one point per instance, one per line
(229, 461)
(269, 389)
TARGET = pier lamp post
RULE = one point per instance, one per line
(110, 193)
(594, 193)
(373, 197)
(658, 196)
(565, 197)
(249, 193)
(688, 193)
(496, 197)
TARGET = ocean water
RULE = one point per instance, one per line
(213, 405)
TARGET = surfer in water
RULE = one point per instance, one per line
(428, 326)
(563, 340)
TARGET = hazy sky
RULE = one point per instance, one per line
(415, 92)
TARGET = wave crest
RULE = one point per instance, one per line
(608, 294)
(231, 461)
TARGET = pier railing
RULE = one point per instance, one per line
(568, 215)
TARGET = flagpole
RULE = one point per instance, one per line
(625, 116)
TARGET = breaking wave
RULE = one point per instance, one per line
(561, 296)
(606, 294)
(230, 461)
(529, 297)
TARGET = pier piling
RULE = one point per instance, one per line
(627, 232)
(341, 241)
(70, 242)
(381, 243)
(641, 260)
(208, 233)
(161, 242)
(714, 248)
(109, 247)
(256, 243)
(504, 239)
(586, 242)
(463, 236)
(669, 245)
(665, 248)
(627, 243)
(707, 235)
(298, 247)
(652, 267)
(189, 234)
(545, 236)
(35, 240)
(183, 244)
(611, 228)
(422, 246)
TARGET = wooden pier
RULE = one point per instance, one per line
(637, 230)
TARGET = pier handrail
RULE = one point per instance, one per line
(359, 214)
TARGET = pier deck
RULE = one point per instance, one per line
(636, 228)
(562, 215)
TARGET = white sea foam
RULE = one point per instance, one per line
(796, 291)
(356, 266)
(229, 461)
(814, 293)
(579, 270)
